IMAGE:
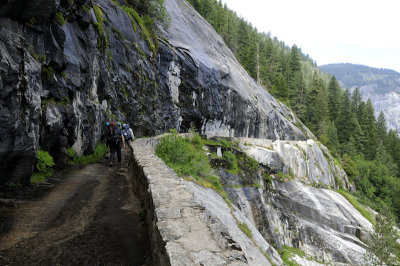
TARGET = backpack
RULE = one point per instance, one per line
(113, 133)
(127, 133)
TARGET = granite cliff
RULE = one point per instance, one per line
(61, 79)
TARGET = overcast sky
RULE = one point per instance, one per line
(341, 31)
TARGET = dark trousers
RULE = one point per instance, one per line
(115, 148)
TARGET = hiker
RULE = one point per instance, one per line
(128, 133)
(114, 140)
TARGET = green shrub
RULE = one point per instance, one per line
(232, 163)
(248, 163)
(96, 156)
(267, 179)
(188, 159)
(225, 143)
(44, 161)
(197, 140)
(43, 166)
(350, 167)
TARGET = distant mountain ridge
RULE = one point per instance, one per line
(381, 86)
(352, 75)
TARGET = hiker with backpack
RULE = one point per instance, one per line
(115, 138)
(127, 132)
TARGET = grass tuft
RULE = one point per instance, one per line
(288, 252)
(246, 230)
(96, 156)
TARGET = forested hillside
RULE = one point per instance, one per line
(381, 86)
(341, 120)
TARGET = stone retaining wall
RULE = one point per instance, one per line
(188, 224)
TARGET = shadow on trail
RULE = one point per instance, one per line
(90, 217)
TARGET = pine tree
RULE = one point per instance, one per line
(279, 88)
(382, 247)
(368, 126)
(333, 99)
(383, 157)
(381, 128)
(316, 107)
(328, 136)
(393, 146)
(356, 101)
(295, 79)
(346, 121)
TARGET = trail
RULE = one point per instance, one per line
(90, 217)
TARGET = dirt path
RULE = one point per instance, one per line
(91, 217)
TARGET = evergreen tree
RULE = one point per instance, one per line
(316, 110)
(346, 121)
(356, 101)
(333, 99)
(382, 247)
(383, 157)
(279, 88)
(381, 128)
(368, 126)
(295, 82)
(393, 146)
(328, 136)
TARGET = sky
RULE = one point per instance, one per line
(342, 31)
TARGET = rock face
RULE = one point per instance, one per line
(20, 110)
(189, 224)
(293, 211)
(237, 106)
(62, 77)
(193, 225)
(307, 161)
(318, 221)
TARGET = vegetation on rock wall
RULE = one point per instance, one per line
(43, 166)
(103, 40)
(288, 252)
(146, 24)
(356, 204)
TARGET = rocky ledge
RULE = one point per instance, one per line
(192, 225)
(189, 224)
